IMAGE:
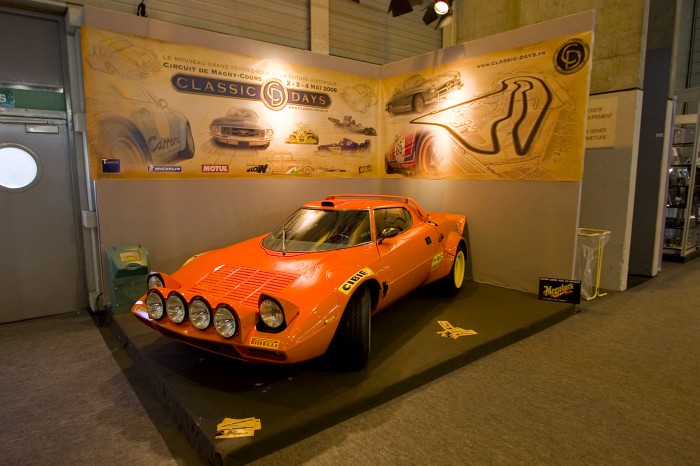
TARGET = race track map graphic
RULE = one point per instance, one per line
(527, 126)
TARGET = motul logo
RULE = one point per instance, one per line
(209, 168)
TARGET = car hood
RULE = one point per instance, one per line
(239, 122)
(246, 270)
(137, 55)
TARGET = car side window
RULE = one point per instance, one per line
(393, 217)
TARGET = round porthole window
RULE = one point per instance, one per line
(19, 167)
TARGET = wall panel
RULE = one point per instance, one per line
(366, 32)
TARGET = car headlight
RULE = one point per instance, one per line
(155, 281)
(271, 313)
(175, 307)
(154, 305)
(199, 314)
(224, 322)
(268, 133)
(214, 129)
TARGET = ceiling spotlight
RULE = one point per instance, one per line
(441, 7)
(441, 11)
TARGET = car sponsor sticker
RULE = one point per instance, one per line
(266, 343)
(214, 168)
(350, 283)
(437, 260)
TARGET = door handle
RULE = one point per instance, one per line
(38, 128)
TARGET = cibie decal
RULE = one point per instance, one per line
(350, 283)
(264, 343)
(437, 259)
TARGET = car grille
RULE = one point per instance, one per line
(242, 284)
(243, 132)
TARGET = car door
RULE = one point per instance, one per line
(407, 257)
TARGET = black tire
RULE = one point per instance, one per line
(429, 155)
(418, 103)
(352, 338)
(454, 280)
(125, 144)
(188, 151)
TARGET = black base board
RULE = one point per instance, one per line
(294, 402)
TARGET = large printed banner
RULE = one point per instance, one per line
(164, 110)
(517, 115)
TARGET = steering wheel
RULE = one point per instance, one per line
(339, 238)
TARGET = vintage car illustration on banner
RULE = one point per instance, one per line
(283, 163)
(359, 97)
(119, 57)
(311, 286)
(416, 93)
(241, 127)
(302, 135)
(345, 147)
(349, 125)
(418, 152)
(138, 128)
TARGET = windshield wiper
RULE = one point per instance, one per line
(284, 240)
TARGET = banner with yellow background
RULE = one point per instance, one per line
(516, 115)
(157, 109)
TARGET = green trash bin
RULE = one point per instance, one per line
(129, 266)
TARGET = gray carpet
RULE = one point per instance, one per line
(65, 401)
(619, 383)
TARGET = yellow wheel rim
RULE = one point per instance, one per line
(459, 267)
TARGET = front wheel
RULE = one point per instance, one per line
(455, 279)
(352, 338)
(188, 151)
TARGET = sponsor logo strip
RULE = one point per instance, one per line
(351, 282)
(264, 343)
(437, 260)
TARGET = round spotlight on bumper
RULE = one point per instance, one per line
(155, 305)
(200, 316)
(224, 321)
(176, 308)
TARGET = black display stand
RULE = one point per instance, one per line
(294, 402)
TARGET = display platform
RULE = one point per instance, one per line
(294, 402)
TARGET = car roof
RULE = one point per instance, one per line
(366, 201)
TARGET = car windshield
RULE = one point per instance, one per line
(308, 230)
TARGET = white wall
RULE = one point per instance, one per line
(609, 176)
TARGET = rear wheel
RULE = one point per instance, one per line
(352, 339)
(454, 280)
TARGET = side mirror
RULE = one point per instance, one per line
(388, 233)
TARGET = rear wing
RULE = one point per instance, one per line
(406, 200)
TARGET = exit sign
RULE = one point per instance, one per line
(7, 98)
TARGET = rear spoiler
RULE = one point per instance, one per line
(406, 200)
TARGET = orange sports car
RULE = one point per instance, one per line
(311, 286)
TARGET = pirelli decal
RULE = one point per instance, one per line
(354, 280)
(264, 343)
(437, 259)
